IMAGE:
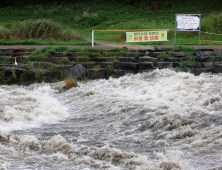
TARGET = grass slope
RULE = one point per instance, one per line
(86, 16)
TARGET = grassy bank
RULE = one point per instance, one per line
(67, 24)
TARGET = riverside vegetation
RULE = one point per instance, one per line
(49, 64)
(53, 64)
(67, 22)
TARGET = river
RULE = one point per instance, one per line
(161, 120)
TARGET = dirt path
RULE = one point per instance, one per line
(214, 47)
(108, 45)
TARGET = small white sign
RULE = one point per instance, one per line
(185, 22)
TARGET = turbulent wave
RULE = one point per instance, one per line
(22, 108)
(160, 120)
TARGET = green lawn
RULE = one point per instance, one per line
(82, 18)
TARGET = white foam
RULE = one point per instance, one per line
(22, 108)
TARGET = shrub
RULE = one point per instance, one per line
(212, 23)
(97, 66)
(83, 53)
(38, 57)
(117, 49)
(60, 49)
(43, 50)
(70, 83)
(188, 54)
(6, 60)
(121, 53)
(38, 29)
(163, 55)
(109, 71)
(82, 59)
(187, 49)
(31, 49)
(73, 50)
(39, 75)
(64, 61)
(92, 50)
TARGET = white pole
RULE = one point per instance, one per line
(92, 38)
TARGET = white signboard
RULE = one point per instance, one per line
(187, 22)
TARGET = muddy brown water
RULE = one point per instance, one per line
(161, 120)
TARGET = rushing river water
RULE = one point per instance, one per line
(160, 120)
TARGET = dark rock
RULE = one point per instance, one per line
(208, 64)
(160, 49)
(49, 75)
(144, 71)
(19, 50)
(205, 49)
(72, 58)
(96, 73)
(192, 65)
(146, 65)
(62, 54)
(133, 54)
(78, 71)
(118, 73)
(218, 59)
(57, 59)
(168, 59)
(21, 54)
(61, 66)
(207, 53)
(217, 53)
(20, 59)
(23, 66)
(7, 65)
(176, 54)
(204, 59)
(127, 59)
(147, 59)
(154, 54)
(102, 59)
(217, 68)
(128, 67)
(198, 71)
(91, 65)
(41, 65)
(165, 65)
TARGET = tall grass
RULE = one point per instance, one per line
(38, 29)
(212, 23)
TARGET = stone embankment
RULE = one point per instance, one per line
(143, 60)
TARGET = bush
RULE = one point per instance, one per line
(38, 57)
(43, 50)
(38, 29)
(109, 71)
(92, 50)
(60, 49)
(6, 60)
(187, 49)
(70, 83)
(82, 59)
(212, 23)
(39, 75)
(64, 61)
(118, 49)
(73, 50)
(83, 53)
(164, 56)
(97, 66)
(121, 53)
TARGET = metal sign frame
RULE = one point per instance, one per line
(187, 15)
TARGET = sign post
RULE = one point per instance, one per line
(187, 22)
